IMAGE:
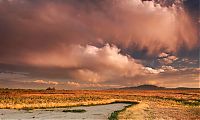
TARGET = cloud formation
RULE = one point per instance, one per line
(89, 63)
(166, 59)
(45, 82)
(37, 26)
(78, 43)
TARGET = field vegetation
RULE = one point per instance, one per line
(75, 111)
(153, 104)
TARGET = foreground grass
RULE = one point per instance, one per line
(114, 115)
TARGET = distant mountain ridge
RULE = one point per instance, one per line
(153, 87)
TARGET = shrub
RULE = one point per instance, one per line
(75, 111)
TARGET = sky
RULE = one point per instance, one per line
(99, 44)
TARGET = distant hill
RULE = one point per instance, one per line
(153, 87)
(143, 87)
(185, 88)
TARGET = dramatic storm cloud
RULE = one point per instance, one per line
(90, 63)
(93, 43)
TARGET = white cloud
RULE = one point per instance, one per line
(166, 59)
(153, 71)
(73, 84)
(163, 69)
(90, 63)
(163, 55)
(169, 69)
(46, 82)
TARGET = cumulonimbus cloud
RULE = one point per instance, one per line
(37, 26)
(89, 63)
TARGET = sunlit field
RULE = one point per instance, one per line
(152, 104)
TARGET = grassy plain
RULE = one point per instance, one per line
(153, 104)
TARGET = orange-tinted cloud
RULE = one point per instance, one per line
(72, 36)
(40, 26)
(46, 82)
(166, 59)
(89, 63)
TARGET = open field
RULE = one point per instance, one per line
(154, 104)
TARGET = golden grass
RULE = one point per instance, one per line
(59, 98)
(157, 104)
